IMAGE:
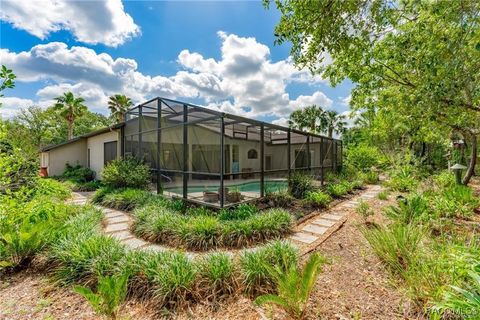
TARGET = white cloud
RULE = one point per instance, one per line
(281, 122)
(346, 100)
(91, 22)
(11, 105)
(243, 81)
(318, 98)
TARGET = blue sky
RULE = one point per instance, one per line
(217, 54)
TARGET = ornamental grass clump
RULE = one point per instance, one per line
(397, 245)
(200, 230)
(216, 275)
(276, 254)
(122, 199)
(172, 276)
(82, 259)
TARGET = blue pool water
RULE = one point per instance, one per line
(254, 186)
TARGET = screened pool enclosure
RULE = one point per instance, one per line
(219, 159)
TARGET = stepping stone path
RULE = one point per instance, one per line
(307, 235)
(117, 225)
(311, 233)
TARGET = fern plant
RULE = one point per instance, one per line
(111, 292)
(294, 286)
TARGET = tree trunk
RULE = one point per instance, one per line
(330, 132)
(70, 130)
(473, 161)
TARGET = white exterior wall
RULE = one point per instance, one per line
(95, 144)
(73, 153)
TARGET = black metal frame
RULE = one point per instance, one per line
(183, 119)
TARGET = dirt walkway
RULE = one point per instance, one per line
(354, 285)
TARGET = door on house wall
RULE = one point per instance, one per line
(301, 160)
(109, 151)
(268, 162)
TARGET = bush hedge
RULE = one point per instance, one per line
(126, 173)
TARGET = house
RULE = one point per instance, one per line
(202, 155)
(92, 150)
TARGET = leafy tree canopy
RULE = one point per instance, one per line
(413, 62)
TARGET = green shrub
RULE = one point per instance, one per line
(299, 184)
(402, 179)
(52, 188)
(456, 200)
(408, 210)
(444, 179)
(362, 157)
(281, 199)
(111, 292)
(126, 173)
(253, 264)
(337, 190)
(122, 199)
(317, 199)
(294, 286)
(28, 228)
(78, 173)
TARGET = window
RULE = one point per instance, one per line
(252, 154)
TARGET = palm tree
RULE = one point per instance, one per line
(118, 105)
(331, 121)
(307, 118)
(70, 108)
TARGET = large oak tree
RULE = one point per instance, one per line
(415, 61)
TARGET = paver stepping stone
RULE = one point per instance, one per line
(119, 219)
(116, 227)
(122, 235)
(154, 247)
(368, 195)
(304, 237)
(134, 243)
(114, 214)
(334, 217)
(323, 222)
(315, 229)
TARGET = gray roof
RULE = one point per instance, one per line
(84, 136)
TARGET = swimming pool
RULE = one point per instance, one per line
(254, 186)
